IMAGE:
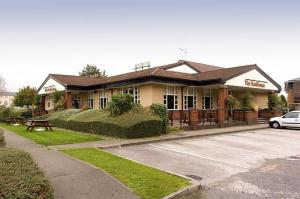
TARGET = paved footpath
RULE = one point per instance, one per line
(71, 179)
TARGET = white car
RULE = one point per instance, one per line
(291, 119)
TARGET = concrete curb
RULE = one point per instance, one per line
(178, 138)
(190, 192)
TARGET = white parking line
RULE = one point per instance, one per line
(198, 156)
(231, 147)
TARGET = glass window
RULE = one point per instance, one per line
(207, 99)
(90, 100)
(292, 115)
(134, 91)
(190, 98)
(171, 97)
(76, 101)
(102, 99)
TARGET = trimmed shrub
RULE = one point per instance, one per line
(120, 104)
(7, 112)
(138, 122)
(162, 112)
(21, 177)
(2, 139)
(245, 101)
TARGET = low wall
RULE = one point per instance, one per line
(251, 117)
(267, 114)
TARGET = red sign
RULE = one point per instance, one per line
(255, 83)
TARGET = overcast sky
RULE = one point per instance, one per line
(38, 37)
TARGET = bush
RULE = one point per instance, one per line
(7, 112)
(274, 101)
(2, 139)
(162, 112)
(21, 177)
(245, 101)
(120, 104)
(138, 122)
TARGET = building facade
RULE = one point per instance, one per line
(6, 98)
(179, 86)
(292, 87)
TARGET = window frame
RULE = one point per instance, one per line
(90, 100)
(186, 96)
(102, 99)
(207, 93)
(174, 93)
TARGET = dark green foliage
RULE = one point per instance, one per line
(138, 122)
(21, 177)
(245, 101)
(274, 102)
(92, 71)
(283, 101)
(7, 112)
(26, 113)
(25, 97)
(162, 112)
(2, 139)
(120, 104)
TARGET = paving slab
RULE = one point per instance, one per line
(71, 179)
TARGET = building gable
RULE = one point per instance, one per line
(183, 69)
(50, 85)
(252, 79)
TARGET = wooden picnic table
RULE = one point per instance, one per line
(31, 124)
(15, 120)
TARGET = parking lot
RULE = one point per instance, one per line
(226, 163)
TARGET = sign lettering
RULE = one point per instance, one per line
(50, 89)
(255, 83)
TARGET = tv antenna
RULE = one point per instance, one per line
(183, 53)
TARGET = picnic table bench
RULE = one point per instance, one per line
(15, 120)
(31, 124)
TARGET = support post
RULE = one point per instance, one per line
(68, 100)
(223, 93)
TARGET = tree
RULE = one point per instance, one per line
(58, 99)
(26, 96)
(245, 101)
(92, 71)
(2, 84)
(283, 101)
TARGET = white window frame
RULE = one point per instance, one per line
(135, 93)
(102, 99)
(171, 91)
(207, 93)
(77, 98)
(190, 92)
(90, 100)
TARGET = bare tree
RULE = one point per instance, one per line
(2, 84)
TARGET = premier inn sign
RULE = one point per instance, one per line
(255, 83)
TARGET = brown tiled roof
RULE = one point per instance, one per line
(206, 73)
(75, 80)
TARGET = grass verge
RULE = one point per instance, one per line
(56, 137)
(20, 176)
(147, 182)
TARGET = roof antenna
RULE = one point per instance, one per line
(183, 53)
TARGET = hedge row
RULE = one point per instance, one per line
(142, 129)
(2, 139)
(21, 177)
(133, 124)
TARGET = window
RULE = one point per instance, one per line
(292, 115)
(190, 98)
(207, 99)
(134, 91)
(102, 99)
(90, 100)
(171, 97)
(76, 101)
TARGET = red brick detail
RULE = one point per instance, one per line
(194, 117)
(43, 103)
(251, 117)
(68, 100)
(269, 114)
(223, 93)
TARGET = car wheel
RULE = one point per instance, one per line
(275, 125)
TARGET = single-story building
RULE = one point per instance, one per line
(7, 98)
(179, 86)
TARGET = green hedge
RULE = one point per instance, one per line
(2, 139)
(136, 123)
(21, 177)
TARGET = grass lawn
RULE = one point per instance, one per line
(147, 182)
(56, 137)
